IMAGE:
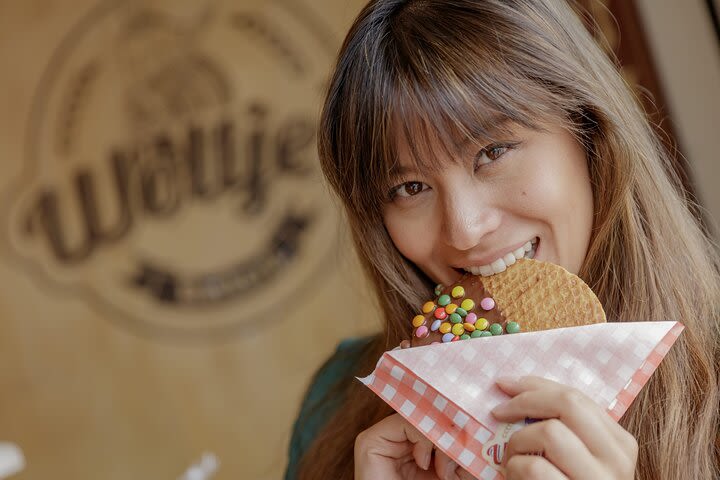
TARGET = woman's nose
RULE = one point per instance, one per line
(466, 220)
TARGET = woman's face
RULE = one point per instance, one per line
(473, 214)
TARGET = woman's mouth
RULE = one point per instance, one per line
(500, 264)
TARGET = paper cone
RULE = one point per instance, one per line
(448, 390)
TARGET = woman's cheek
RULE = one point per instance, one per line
(532, 194)
(412, 234)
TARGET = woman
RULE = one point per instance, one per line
(455, 130)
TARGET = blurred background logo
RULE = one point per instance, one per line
(170, 176)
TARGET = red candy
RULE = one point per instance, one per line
(440, 313)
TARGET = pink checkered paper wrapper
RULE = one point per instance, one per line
(448, 390)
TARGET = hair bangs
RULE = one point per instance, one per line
(438, 88)
(439, 113)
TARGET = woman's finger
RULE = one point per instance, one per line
(624, 439)
(394, 437)
(532, 467)
(422, 453)
(465, 475)
(536, 397)
(557, 443)
(622, 436)
(445, 467)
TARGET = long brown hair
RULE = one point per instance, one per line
(450, 69)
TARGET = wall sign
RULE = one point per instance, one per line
(170, 172)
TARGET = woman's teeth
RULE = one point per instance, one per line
(499, 265)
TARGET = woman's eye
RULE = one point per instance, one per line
(408, 189)
(490, 153)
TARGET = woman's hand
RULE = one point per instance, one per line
(577, 438)
(393, 449)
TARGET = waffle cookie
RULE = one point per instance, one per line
(528, 296)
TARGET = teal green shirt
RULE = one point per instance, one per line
(311, 419)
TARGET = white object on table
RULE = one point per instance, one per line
(11, 459)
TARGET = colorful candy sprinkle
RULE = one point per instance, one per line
(461, 311)
(476, 334)
(445, 327)
(435, 325)
(482, 324)
(443, 300)
(457, 329)
(485, 333)
(455, 318)
(464, 336)
(421, 332)
(440, 313)
(471, 317)
(467, 304)
(418, 320)
(428, 307)
(458, 292)
(469, 327)
(447, 337)
(496, 329)
(451, 308)
(487, 303)
(512, 327)
(455, 338)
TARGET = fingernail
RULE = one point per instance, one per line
(426, 460)
(498, 409)
(450, 468)
(508, 381)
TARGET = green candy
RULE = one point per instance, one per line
(477, 333)
(485, 333)
(512, 327)
(455, 318)
(438, 289)
(496, 329)
(464, 336)
(461, 311)
(444, 300)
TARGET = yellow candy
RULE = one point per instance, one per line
(458, 329)
(418, 320)
(469, 327)
(482, 324)
(458, 292)
(450, 308)
(428, 307)
(445, 327)
(467, 304)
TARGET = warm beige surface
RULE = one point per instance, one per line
(84, 395)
